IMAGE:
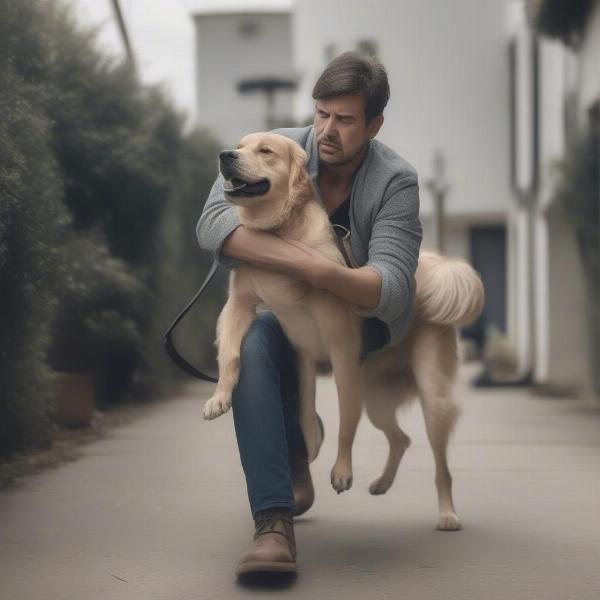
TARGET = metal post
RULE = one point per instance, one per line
(438, 186)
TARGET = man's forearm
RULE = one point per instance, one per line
(360, 287)
(261, 249)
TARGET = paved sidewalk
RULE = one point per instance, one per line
(159, 511)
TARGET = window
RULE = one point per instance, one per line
(368, 47)
(249, 28)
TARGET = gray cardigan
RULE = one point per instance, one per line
(384, 221)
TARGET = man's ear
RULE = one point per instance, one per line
(300, 188)
(375, 125)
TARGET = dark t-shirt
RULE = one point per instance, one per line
(375, 332)
(341, 215)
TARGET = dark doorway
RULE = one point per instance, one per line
(488, 257)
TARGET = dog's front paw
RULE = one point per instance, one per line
(216, 406)
(341, 477)
(448, 522)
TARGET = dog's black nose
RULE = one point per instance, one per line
(228, 156)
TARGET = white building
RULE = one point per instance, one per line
(242, 42)
(554, 89)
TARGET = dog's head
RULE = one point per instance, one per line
(266, 178)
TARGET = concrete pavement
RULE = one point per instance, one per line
(159, 511)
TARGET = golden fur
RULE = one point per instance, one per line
(323, 328)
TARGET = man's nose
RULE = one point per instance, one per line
(228, 156)
(329, 129)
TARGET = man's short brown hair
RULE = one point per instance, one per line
(354, 73)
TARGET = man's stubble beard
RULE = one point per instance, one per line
(343, 160)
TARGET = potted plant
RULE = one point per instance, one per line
(96, 339)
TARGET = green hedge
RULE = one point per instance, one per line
(100, 193)
(102, 313)
(31, 216)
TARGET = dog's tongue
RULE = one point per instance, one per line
(234, 185)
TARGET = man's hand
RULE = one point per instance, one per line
(314, 267)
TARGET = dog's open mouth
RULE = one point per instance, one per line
(238, 187)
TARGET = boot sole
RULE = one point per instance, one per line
(266, 566)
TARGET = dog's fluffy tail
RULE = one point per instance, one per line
(449, 291)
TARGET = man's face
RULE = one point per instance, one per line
(341, 128)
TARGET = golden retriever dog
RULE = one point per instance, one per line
(266, 180)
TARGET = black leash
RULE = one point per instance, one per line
(170, 346)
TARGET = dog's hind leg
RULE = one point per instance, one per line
(382, 413)
(434, 376)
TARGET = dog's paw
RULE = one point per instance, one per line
(449, 522)
(379, 486)
(341, 477)
(216, 406)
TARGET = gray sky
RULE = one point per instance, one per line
(162, 35)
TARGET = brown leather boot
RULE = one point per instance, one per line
(274, 547)
(304, 491)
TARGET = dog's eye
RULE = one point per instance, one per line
(266, 151)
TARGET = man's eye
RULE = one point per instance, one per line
(266, 151)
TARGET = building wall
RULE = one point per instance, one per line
(552, 85)
(448, 75)
(521, 325)
(568, 362)
(231, 48)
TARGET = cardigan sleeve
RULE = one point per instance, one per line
(394, 249)
(218, 219)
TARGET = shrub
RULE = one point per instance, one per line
(31, 216)
(99, 326)
(563, 19)
(116, 144)
(100, 193)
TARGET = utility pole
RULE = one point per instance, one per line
(123, 30)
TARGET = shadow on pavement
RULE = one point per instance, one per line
(267, 581)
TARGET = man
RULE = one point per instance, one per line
(367, 188)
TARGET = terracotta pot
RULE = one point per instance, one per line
(75, 399)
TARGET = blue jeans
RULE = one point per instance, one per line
(265, 414)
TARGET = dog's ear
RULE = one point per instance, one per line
(300, 186)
